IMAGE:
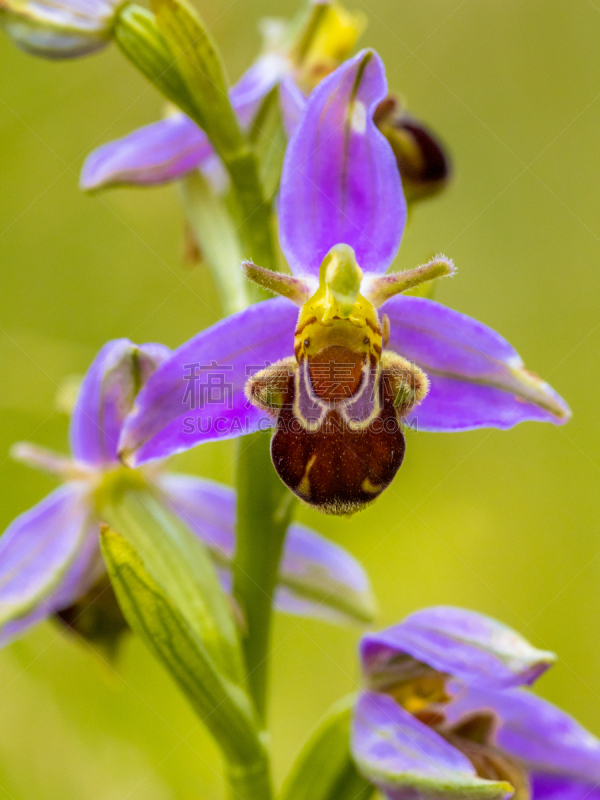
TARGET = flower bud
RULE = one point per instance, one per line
(97, 618)
(327, 38)
(64, 29)
(422, 161)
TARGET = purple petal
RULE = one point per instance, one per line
(535, 731)
(340, 183)
(557, 787)
(150, 155)
(464, 644)
(106, 397)
(293, 103)
(206, 507)
(406, 759)
(168, 149)
(477, 378)
(198, 394)
(85, 569)
(318, 578)
(248, 93)
(38, 548)
(327, 580)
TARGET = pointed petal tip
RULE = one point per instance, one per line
(340, 182)
(477, 379)
(455, 641)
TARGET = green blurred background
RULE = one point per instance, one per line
(502, 522)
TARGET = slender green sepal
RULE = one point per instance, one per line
(325, 770)
(295, 289)
(381, 288)
(224, 707)
(263, 514)
(217, 239)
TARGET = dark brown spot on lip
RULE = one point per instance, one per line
(337, 469)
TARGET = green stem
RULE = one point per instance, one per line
(251, 211)
(264, 513)
(249, 782)
(215, 235)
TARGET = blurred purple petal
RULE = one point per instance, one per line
(464, 644)
(38, 548)
(325, 577)
(318, 578)
(85, 569)
(198, 394)
(168, 149)
(406, 759)
(106, 397)
(557, 787)
(154, 154)
(535, 731)
(340, 183)
(477, 378)
(206, 507)
(258, 80)
(293, 103)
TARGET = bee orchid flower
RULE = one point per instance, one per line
(346, 358)
(50, 559)
(445, 714)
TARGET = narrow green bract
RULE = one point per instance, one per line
(142, 42)
(325, 770)
(179, 562)
(223, 706)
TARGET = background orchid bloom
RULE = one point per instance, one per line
(56, 30)
(341, 199)
(169, 149)
(443, 715)
(50, 556)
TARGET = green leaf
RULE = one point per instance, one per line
(144, 44)
(269, 141)
(324, 770)
(217, 239)
(179, 562)
(223, 706)
(264, 510)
